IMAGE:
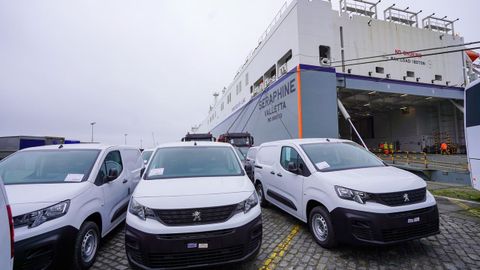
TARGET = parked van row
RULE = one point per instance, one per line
(193, 205)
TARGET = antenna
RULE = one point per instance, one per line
(153, 137)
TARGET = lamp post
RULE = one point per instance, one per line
(126, 138)
(92, 124)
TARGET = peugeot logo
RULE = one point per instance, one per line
(197, 216)
(405, 197)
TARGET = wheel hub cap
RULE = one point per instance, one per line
(320, 227)
(89, 245)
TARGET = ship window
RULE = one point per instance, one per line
(238, 88)
(324, 52)
(222, 106)
(285, 58)
(229, 98)
(270, 76)
(410, 74)
(438, 78)
(258, 86)
(246, 79)
(380, 70)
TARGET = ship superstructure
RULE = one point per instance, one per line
(401, 77)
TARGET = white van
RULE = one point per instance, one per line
(6, 231)
(194, 207)
(64, 198)
(344, 193)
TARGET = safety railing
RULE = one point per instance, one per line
(421, 160)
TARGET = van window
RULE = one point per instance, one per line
(113, 161)
(193, 161)
(146, 154)
(340, 156)
(48, 166)
(289, 155)
(267, 155)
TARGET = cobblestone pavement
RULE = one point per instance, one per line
(287, 244)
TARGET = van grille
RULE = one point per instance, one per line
(183, 259)
(195, 216)
(414, 231)
(399, 198)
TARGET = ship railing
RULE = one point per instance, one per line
(264, 35)
(360, 7)
(403, 16)
(439, 24)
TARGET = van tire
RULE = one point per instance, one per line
(89, 237)
(261, 195)
(321, 228)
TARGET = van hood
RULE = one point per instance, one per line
(375, 179)
(27, 198)
(193, 192)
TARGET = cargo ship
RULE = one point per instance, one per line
(400, 77)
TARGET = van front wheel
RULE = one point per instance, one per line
(261, 195)
(321, 227)
(86, 246)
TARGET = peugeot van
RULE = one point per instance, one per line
(65, 198)
(194, 207)
(344, 192)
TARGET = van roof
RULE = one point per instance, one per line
(94, 146)
(193, 143)
(305, 141)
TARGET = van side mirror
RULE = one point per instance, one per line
(292, 167)
(248, 168)
(112, 175)
(142, 171)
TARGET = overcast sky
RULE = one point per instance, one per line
(136, 67)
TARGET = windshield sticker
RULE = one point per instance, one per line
(73, 177)
(322, 165)
(157, 171)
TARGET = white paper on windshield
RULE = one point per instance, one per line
(73, 177)
(156, 171)
(322, 165)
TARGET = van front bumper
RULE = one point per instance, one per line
(187, 250)
(353, 226)
(51, 250)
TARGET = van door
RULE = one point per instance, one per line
(290, 173)
(115, 187)
(264, 169)
(133, 163)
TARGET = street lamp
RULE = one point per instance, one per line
(92, 123)
(126, 138)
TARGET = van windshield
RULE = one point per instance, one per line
(193, 161)
(146, 154)
(340, 156)
(48, 166)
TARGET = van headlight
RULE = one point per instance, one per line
(140, 211)
(248, 204)
(353, 195)
(35, 218)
